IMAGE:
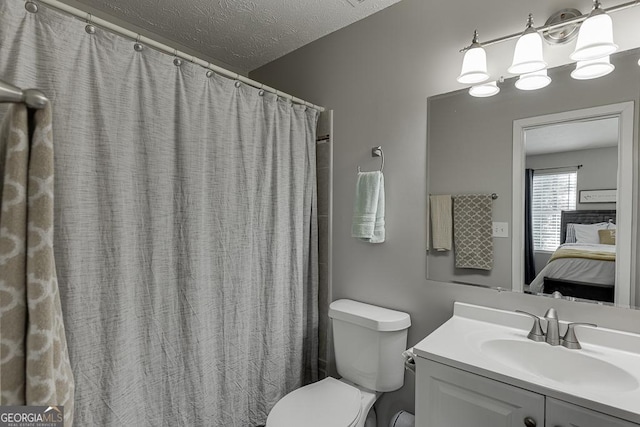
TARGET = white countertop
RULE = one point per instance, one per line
(464, 342)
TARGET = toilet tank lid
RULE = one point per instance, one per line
(369, 316)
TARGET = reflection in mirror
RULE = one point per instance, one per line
(562, 160)
(573, 177)
(471, 151)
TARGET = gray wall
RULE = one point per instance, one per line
(376, 75)
(599, 169)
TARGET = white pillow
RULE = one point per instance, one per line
(588, 233)
(571, 233)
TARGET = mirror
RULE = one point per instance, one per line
(479, 146)
(554, 214)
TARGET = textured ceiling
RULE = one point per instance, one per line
(245, 34)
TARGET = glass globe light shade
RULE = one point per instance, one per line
(484, 90)
(593, 69)
(595, 38)
(528, 56)
(533, 81)
(474, 66)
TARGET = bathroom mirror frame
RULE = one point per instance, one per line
(470, 150)
(626, 196)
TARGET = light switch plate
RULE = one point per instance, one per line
(500, 229)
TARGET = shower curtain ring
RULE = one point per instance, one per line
(176, 61)
(261, 91)
(209, 70)
(89, 28)
(31, 6)
(138, 46)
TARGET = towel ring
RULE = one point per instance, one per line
(376, 152)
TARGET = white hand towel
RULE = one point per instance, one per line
(368, 208)
(441, 222)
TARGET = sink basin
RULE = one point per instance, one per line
(558, 364)
(604, 375)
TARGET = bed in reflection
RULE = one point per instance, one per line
(584, 265)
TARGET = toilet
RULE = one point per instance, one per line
(368, 343)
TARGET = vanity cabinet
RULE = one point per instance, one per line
(563, 414)
(450, 397)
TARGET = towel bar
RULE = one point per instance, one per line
(376, 152)
(494, 196)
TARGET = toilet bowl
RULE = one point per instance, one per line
(326, 403)
(368, 342)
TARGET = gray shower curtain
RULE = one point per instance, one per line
(185, 230)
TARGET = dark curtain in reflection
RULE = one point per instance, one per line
(529, 261)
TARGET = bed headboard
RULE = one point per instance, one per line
(584, 217)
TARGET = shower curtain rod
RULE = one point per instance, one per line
(32, 97)
(55, 4)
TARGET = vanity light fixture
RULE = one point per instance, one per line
(595, 38)
(474, 63)
(528, 56)
(533, 81)
(484, 90)
(592, 69)
(595, 43)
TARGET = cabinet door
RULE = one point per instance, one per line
(449, 397)
(563, 414)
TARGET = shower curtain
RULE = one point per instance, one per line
(185, 228)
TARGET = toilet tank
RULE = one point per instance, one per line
(368, 341)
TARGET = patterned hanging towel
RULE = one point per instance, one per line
(34, 368)
(472, 231)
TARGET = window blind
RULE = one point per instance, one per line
(553, 193)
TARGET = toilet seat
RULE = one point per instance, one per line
(325, 403)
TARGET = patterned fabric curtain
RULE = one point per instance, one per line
(529, 259)
(185, 228)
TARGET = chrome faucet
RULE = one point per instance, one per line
(536, 334)
(569, 339)
(552, 336)
(553, 330)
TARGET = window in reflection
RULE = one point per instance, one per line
(553, 192)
